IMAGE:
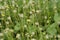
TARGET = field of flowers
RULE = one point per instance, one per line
(29, 19)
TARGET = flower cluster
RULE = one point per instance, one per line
(29, 20)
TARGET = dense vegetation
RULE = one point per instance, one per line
(29, 19)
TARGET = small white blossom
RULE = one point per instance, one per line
(33, 39)
(30, 2)
(33, 10)
(9, 18)
(7, 22)
(24, 1)
(2, 39)
(0, 0)
(36, 23)
(2, 7)
(37, 11)
(30, 12)
(11, 30)
(14, 11)
(58, 36)
(16, 5)
(33, 33)
(26, 33)
(5, 3)
(6, 30)
(21, 15)
(44, 33)
(25, 26)
(47, 21)
(13, 2)
(28, 20)
(47, 36)
(1, 34)
(18, 36)
(40, 28)
(45, 17)
(55, 11)
(59, 22)
(43, 2)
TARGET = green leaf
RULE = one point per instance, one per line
(31, 29)
(56, 17)
(17, 27)
(52, 29)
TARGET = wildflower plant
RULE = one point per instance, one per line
(29, 20)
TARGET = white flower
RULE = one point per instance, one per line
(44, 33)
(33, 10)
(2, 7)
(16, 5)
(6, 30)
(30, 12)
(32, 33)
(21, 15)
(33, 39)
(11, 30)
(40, 28)
(43, 2)
(30, 2)
(1, 39)
(47, 21)
(0, 0)
(45, 17)
(28, 20)
(36, 23)
(59, 22)
(18, 36)
(7, 22)
(1, 34)
(55, 11)
(58, 36)
(5, 3)
(47, 36)
(24, 1)
(25, 26)
(14, 11)
(26, 33)
(37, 11)
(9, 18)
(13, 1)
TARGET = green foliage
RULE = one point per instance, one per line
(29, 19)
(52, 29)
